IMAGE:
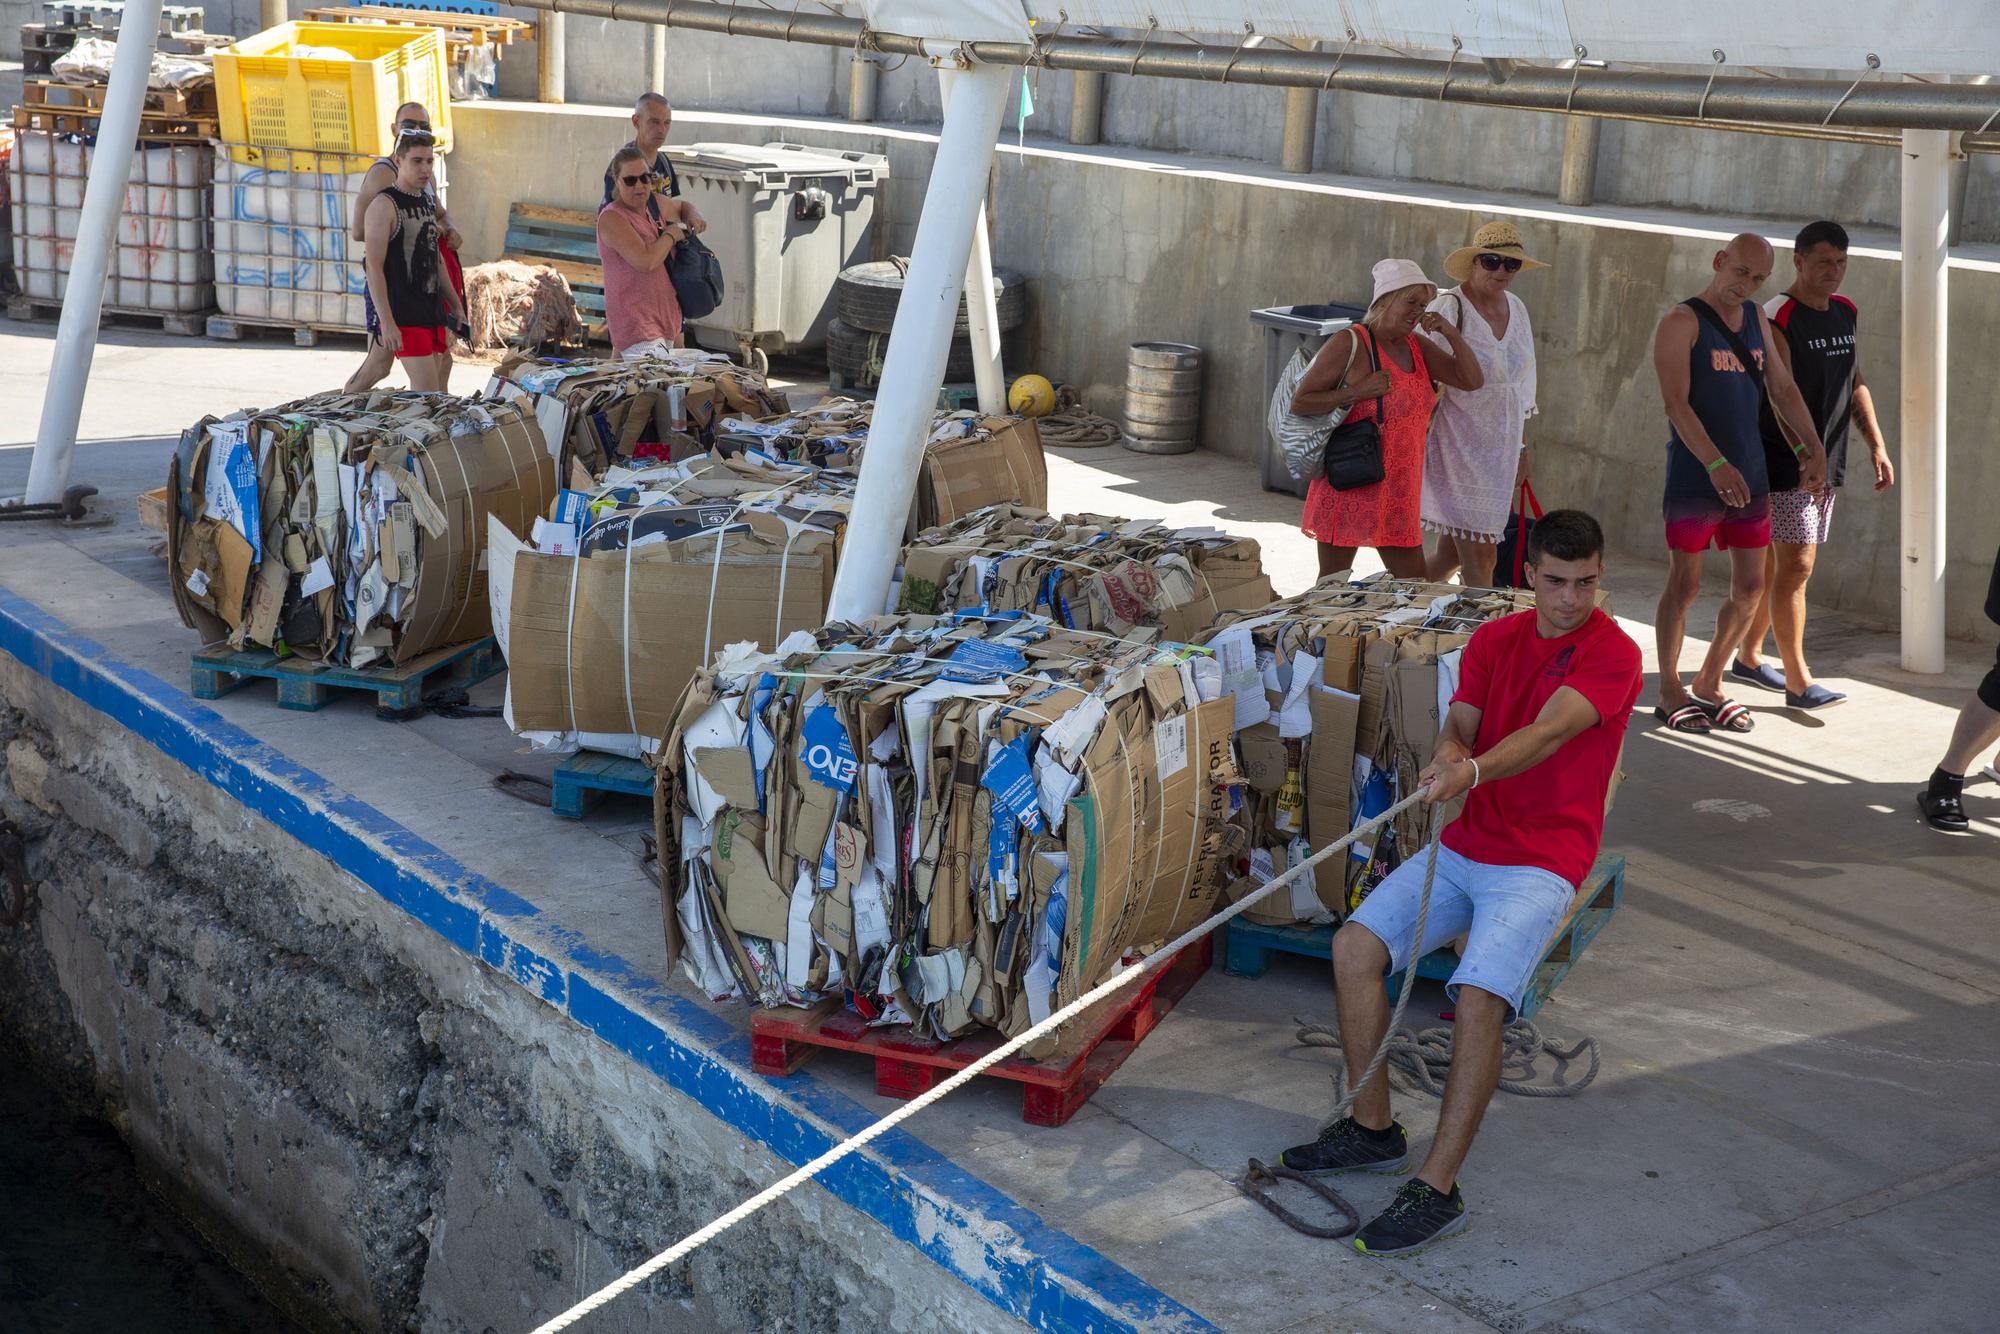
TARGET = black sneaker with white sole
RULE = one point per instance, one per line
(1349, 1146)
(1418, 1216)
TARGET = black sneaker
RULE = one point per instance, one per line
(1944, 814)
(1418, 1216)
(1348, 1146)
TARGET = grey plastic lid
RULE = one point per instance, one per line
(776, 164)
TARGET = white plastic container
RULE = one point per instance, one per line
(162, 260)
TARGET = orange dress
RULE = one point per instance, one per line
(1389, 513)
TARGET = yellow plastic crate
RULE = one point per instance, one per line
(268, 95)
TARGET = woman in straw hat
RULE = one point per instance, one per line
(1477, 460)
(1399, 395)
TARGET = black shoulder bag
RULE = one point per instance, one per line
(1353, 457)
(697, 277)
(1781, 464)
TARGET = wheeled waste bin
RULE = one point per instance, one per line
(1286, 330)
(784, 220)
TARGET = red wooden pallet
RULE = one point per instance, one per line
(906, 1064)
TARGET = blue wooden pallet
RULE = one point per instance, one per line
(310, 686)
(585, 779)
(1248, 946)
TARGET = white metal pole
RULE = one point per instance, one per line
(1926, 227)
(97, 225)
(982, 316)
(552, 57)
(273, 12)
(656, 57)
(913, 369)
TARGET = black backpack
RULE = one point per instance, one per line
(697, 277)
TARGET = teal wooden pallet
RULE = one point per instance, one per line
(585, 779)
(1248, 946)
(311, 686)
(951, 397)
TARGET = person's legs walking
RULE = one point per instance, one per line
(373, 367)
(1792, 565)
(1333, 559)
(1749, 664)
(1475, 562)
(1746, 588)
(1978, 727)
(1439, 565)
(1403, 562)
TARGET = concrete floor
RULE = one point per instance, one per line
(1793, 1128)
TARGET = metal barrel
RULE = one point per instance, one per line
(1162, 398)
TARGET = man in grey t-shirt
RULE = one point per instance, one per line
(652, 117)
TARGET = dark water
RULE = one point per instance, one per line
(86, 1249)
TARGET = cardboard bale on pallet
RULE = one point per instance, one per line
(349, 528)
(955, 822)
(601, 414)
(1086, 571)
(612, 604)
(971, 460)
(1338, 697)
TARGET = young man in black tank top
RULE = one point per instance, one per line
(1816, 329)
(381, 174)
(413, 300)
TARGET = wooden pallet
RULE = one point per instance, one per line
(186, 324)
(311, 686)
(88, 98)
(951, 397)
(907, 1064)
(233, 328)
(585, 779)
(153, 510)
(154, 127)
(1248, 946)
(460, 32)
(565, 239)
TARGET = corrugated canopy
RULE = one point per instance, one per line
(1909, 36)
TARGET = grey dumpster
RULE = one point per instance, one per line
(784, 220)
(1286, 330)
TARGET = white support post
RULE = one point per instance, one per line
(552, 56)
(656, 57)
(913, 369)
(273, 12)
(1921, 478)
(982, 316)
(90, 261)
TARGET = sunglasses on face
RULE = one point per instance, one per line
(640, 179)
(1495, 263)
(422, 125)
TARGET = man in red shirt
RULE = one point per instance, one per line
(1531, 741)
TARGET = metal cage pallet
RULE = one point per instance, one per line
(585, 779)
(907, 1064)
(185, 324)
(1248, 945)
(310, 686)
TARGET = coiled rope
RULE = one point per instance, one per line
(1423, 1058)
(778, 1190)
(1076, 428)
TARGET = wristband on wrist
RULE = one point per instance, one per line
(1719, 461)
(1475, 771)
(1799, 450)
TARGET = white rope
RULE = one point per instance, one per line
(770, 1194)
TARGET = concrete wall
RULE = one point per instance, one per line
(1121, 246)
(383, 1131)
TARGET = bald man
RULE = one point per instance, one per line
(652, 117)
(1710, 354)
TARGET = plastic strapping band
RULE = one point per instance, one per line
(715, 568)
(625, 612)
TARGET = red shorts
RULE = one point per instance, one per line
(1695, 525)
(423, 342)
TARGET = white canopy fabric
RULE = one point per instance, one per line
(1910, 36)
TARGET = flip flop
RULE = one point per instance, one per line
(1726, 714)
(1691, 718)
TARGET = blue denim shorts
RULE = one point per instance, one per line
(1508, 913)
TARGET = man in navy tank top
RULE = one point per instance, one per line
(1710, 354)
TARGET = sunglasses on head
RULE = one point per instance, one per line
(640, 179)
(1494, 263)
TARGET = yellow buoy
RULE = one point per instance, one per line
(1032, 396)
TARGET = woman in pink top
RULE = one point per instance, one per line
(639, 301)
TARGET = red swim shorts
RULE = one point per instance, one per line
(1695, 525)
(420, 342)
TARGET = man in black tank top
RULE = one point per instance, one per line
(1816, 337)
(406, 277)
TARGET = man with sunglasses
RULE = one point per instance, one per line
(412, 118)
(652, 117)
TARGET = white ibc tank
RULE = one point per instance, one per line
(162, 261)
(282, 253)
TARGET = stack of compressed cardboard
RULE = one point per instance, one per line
(598, 414)
(970, 460)
(614, 602)
(948, 821)
(1338, 694)
(1086, 571)
(349, 527)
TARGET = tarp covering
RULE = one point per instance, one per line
(1910, 36)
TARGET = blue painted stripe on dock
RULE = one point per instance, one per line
(1035, 1273)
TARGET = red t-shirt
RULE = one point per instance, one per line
(1552, 815)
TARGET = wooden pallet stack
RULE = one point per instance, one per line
(473, 42)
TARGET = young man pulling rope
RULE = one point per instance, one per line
(1531, 740)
